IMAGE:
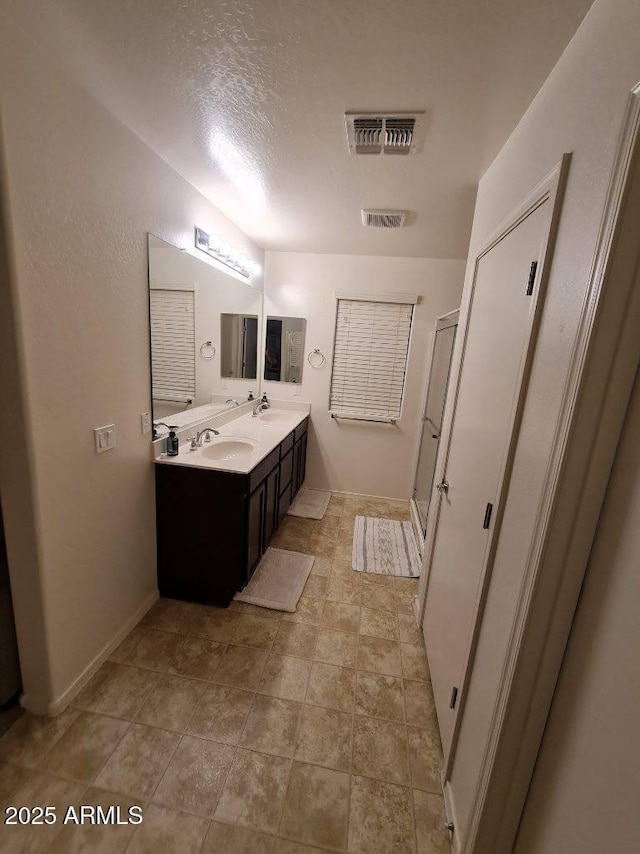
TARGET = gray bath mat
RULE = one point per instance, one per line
(310, 504)
(278, 581)
(385, 547)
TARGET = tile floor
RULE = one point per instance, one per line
(245, 730)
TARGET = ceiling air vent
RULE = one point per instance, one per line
(383, 219)
(388, 133)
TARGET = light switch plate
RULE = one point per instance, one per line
(145, 423)
(105, 438)
(297, 390)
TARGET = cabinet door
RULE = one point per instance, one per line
(299, 462)
(255, 528)
(272, 485)
(286, 470)
(284, 503)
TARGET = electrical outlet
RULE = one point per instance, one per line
(105, 438)
(224, 386)
(145, 423)
(297, 390)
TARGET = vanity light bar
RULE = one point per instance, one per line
(218, 248)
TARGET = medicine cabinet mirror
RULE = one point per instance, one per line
(284, 349)
(205, 328)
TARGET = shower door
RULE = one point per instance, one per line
(445, 335)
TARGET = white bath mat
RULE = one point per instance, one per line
(385, 547)
(278, 581)
(310, 504)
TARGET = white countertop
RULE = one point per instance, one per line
(244, 440)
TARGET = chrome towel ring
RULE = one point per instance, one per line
(208, 351)
(316, 359)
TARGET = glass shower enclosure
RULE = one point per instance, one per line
(445, 336)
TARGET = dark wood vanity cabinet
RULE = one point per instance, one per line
(213, 526)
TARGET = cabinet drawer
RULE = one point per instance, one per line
(286, 471)
(286, 445)
(301, 429)
(262, 470)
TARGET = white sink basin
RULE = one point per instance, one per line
(277, 417)
(229, 449)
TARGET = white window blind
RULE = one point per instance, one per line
(370, 359)
(173, 360)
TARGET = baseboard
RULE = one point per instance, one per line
(361, 495)
(417, 527)
(58, 705)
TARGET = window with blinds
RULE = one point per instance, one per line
(370, 358)
(173, 360)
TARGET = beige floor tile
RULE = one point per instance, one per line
(165, 830)
(335, 647)
(230, 839)
(378, 597)
(399, 510)
(325, 738)
(295, 639)
(379, 696)
(323, 545)
(258, 632)
(420, 706)
(259, 611)
(404, 601)
(213, 623)
(377, 579)
(379, 656)
(321, 567)
(342, 568)
(285, 676)
(381, 818)
(409, 631)
(343, 550)
(341, 616)
(221, 714)
(11, 778)
(425, 755)
(431, 834)
(414, 662)
(327, 525)
(272, 726)
(96, 838)
(122, 694)
(241, 667)
(31, 737)
(254, 793)
(85, 747)
(172, 703)
(404, 585)
(178, 655)
(287, 846)
(167, 615)
(380, 750)
(316, 586)
(331, 686)
(297, 526)
(139, 761)
(316, 809)
(343, 590)
(379, 624)
(127, 645)
(153, 650)
(308, 610)
(39, 790)
(195, 776)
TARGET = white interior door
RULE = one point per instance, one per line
(495, 350)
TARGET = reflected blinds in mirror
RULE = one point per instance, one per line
(370, 359)
(173, 363)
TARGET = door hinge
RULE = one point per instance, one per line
(454, 698)
(532, 277)
(487, 516)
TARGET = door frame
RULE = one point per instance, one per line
(445, 321)
(605, 359)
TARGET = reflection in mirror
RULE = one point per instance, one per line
(188, 299)
(239, 342)
(284, 349)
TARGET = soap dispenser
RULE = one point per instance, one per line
(172, 444)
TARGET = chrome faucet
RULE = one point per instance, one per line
(260, 407)
(196, 441)
(232, 400)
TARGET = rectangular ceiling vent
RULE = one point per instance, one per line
(383, 219)
(388, 133)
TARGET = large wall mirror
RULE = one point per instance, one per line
(205, 329)
(284, 349)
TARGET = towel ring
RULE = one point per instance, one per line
(319, 360)
(207, 351)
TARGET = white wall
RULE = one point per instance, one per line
(580, 110)
(84, 192)
(584, 793)
(369, 459)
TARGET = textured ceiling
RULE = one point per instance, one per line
(246, 101)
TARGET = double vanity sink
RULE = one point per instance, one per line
(219, 501)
